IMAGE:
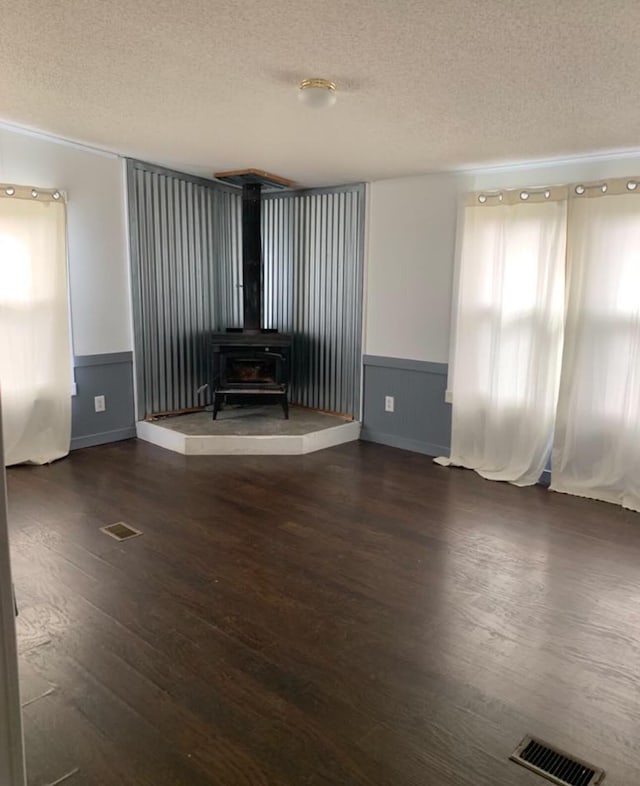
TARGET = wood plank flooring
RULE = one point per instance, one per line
(356, 616)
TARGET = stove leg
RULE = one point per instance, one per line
(216, 405)
(285, 407)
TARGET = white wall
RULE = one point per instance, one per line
(411, 235)
(412, 248)
(98, 274)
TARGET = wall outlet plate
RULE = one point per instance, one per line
(389, 404)
(99, 403)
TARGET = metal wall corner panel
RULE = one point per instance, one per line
(186, 254)
(313, 250)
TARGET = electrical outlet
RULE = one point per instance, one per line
(99, 403)
(389, 404)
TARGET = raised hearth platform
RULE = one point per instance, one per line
(249, 431)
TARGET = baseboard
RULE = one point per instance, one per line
(404, 443)
(545, 478)
(90, 440)
(427, 448)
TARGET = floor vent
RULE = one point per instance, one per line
(554, 765)
(121, 531)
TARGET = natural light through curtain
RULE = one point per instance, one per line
(35, 358)
(596, 449)
(506, 363)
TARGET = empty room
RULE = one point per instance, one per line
(319, 393)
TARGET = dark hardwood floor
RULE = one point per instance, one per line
(355, 616)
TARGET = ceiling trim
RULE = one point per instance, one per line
(36, 133)
(614, 154)
(578, 158)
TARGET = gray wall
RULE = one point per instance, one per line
(110, 375)
(421, 420)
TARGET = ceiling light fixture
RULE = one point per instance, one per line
(317, 93)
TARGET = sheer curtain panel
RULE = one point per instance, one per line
(35, 356)
(508, 335)
(596, 450)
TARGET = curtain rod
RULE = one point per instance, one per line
(613, 186)
(11, 191)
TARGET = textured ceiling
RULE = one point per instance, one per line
(202, 85)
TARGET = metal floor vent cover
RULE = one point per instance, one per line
(554, 765)
(121, 531)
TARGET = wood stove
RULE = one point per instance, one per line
(250, 368)
(251, 364)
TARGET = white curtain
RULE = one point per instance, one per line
(35, 356)
(508, 338)
(596, 450)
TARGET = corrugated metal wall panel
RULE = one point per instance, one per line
(186, 251)
(228, 246)
(313, 267)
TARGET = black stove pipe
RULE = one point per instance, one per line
(251, 257)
